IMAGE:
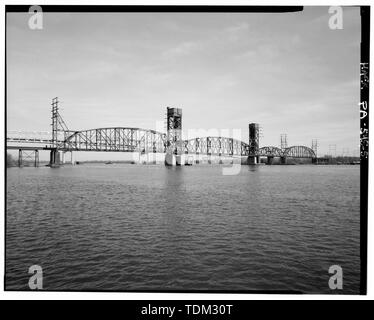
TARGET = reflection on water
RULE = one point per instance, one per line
(134, 227)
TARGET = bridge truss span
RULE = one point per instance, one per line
(271, 152)
(217, 146)
(117, 139)
(299, 152)
(290, 152)
(144, 141)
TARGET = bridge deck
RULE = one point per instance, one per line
(29, 148)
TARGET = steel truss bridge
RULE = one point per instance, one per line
(144, 141)
(122, 139)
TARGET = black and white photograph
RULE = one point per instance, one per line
(186, 149)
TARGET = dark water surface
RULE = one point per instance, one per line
(139, 227)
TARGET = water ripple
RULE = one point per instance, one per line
(156, 228)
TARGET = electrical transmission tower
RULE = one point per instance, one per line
(283, 138)
(58, 124)
(332, 150)
(260, 132)
(345, 152)
(315, 146)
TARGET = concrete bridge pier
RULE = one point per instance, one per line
(197, 158)
(220, 159)
(180, 159)
(146, 158)
(142, 158)
(175, 159)
(54, 158)
(190, 159)
(62, 157)
(251, 160)
(152, 158)
(170, 159)
(72, 159)
(283, 160)
(136, 157)
(270, 159)
(314, 160)
(209, 157)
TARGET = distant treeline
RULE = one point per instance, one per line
(10, 161)
(107, 161)
(341, 159)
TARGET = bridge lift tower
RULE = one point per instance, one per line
(254, 143)
(58, 127)
(174, 143)
(284, 146)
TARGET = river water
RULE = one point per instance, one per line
(150, 227)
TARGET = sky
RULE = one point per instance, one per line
(289, 72)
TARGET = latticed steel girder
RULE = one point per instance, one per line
(219, 146)
(299, 152)
(270, 152)
(116, 139)
(291, 152)
(146, 141)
